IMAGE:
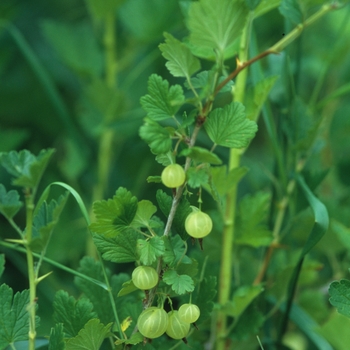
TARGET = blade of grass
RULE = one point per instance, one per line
(321, 223)
(73, 192)
(56, 264)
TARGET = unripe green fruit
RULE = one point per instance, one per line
(189, 313)
(144, 277)
(177, 329)
(173, 176)
(198, 224)
(153, 322)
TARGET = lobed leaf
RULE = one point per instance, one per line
(151, 249)
(72, 313)
(90, 337)
(174, 250)
(9, 202)
(118, 249)
(56, 341)
(98, 296)
(157, 137)
(252, 220)
(197, 177)
(181, 62)
(161, 102)
(339, 292)
(26, 167)
(114, 216)
(45, 221)
(215, 25)
(14, 320)
(180, 284)
(229, 126)
(145, 210)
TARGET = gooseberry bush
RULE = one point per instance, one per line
(202, 263)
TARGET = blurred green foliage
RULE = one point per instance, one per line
(56, 92)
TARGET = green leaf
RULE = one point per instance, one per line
(56, 341)
(197, 177)
(321, 223)
(99, 297)
(222, 181)
(174, 250)
(215, 25)
(229, 126)
(242, 298)
(156, 179)
(100, 9)
(114, 215)
(181, 62)
(257, 97)
(162, 102)
(189, 268)
(127, 288)
(339, 292)
(26, 167)
(72, 313)
(204, 296)
(118, 249)
(14, 320)
(9, 202)
(77, 46)
(252, 4)
(183, 209)
(252, 220)
(335, 326)
(205, 80)
(266, 6)
(2, 264)
(135, 338)
(290, 9)
(157, 137)
(165, 158)
(90, 337)
(201, 155)
(145, 210)
(151, 249)
(45, 221)
(180, 284)
(321, 217)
